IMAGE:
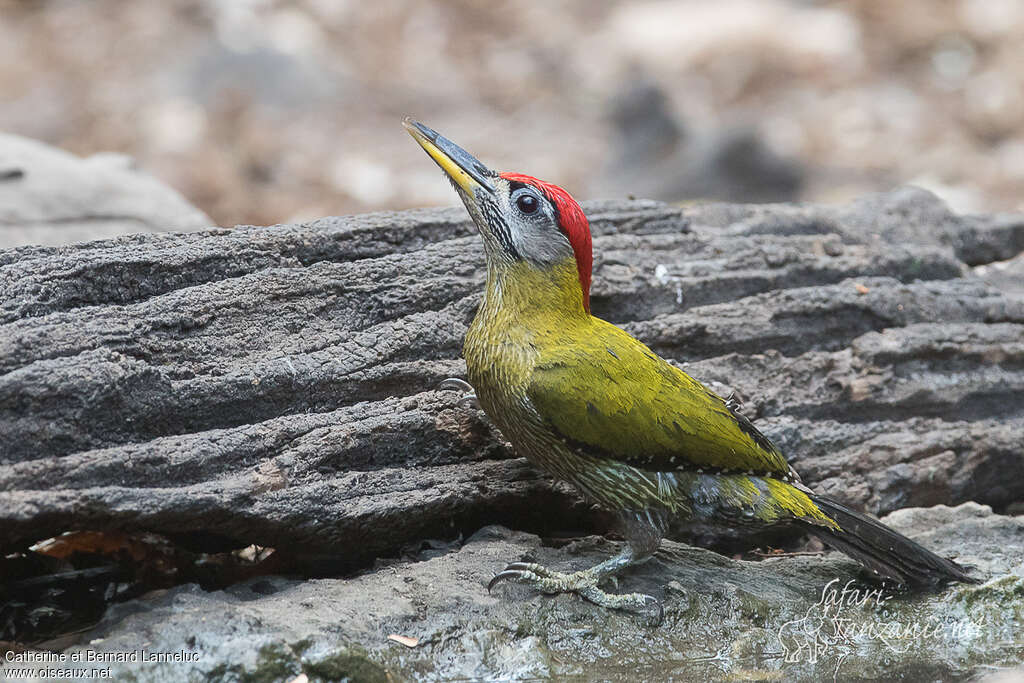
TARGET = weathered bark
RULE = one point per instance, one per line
(276, 385)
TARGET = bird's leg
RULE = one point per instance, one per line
(584, 583)
(639, 548)
(468, 399)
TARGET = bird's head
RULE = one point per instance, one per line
(521, 219)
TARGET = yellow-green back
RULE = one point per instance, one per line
(597, 385)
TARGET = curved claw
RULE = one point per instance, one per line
(455, 384)
(470, 401)
(506, 575)
(658, 616)
(523, 571)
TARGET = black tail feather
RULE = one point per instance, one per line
(887, 553)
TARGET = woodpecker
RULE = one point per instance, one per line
(586, 402)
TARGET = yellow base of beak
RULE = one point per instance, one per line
(449, 156)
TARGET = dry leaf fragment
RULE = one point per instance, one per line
(404, 640)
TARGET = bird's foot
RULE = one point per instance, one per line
(583, 583)
(469, 399)
(734, 402)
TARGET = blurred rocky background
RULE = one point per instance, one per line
(268, 111)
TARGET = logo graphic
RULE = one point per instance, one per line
(847, 617)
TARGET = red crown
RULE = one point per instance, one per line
(572, 221)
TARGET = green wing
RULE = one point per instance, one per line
(611, 395)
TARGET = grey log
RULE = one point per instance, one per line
(276, 385)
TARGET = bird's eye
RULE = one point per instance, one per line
(527, 203)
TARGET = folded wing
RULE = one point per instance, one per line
(614, 397)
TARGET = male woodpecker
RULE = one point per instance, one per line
(588, 403)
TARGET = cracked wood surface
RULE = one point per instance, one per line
(276, 385)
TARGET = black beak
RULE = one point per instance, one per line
(461, 166)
